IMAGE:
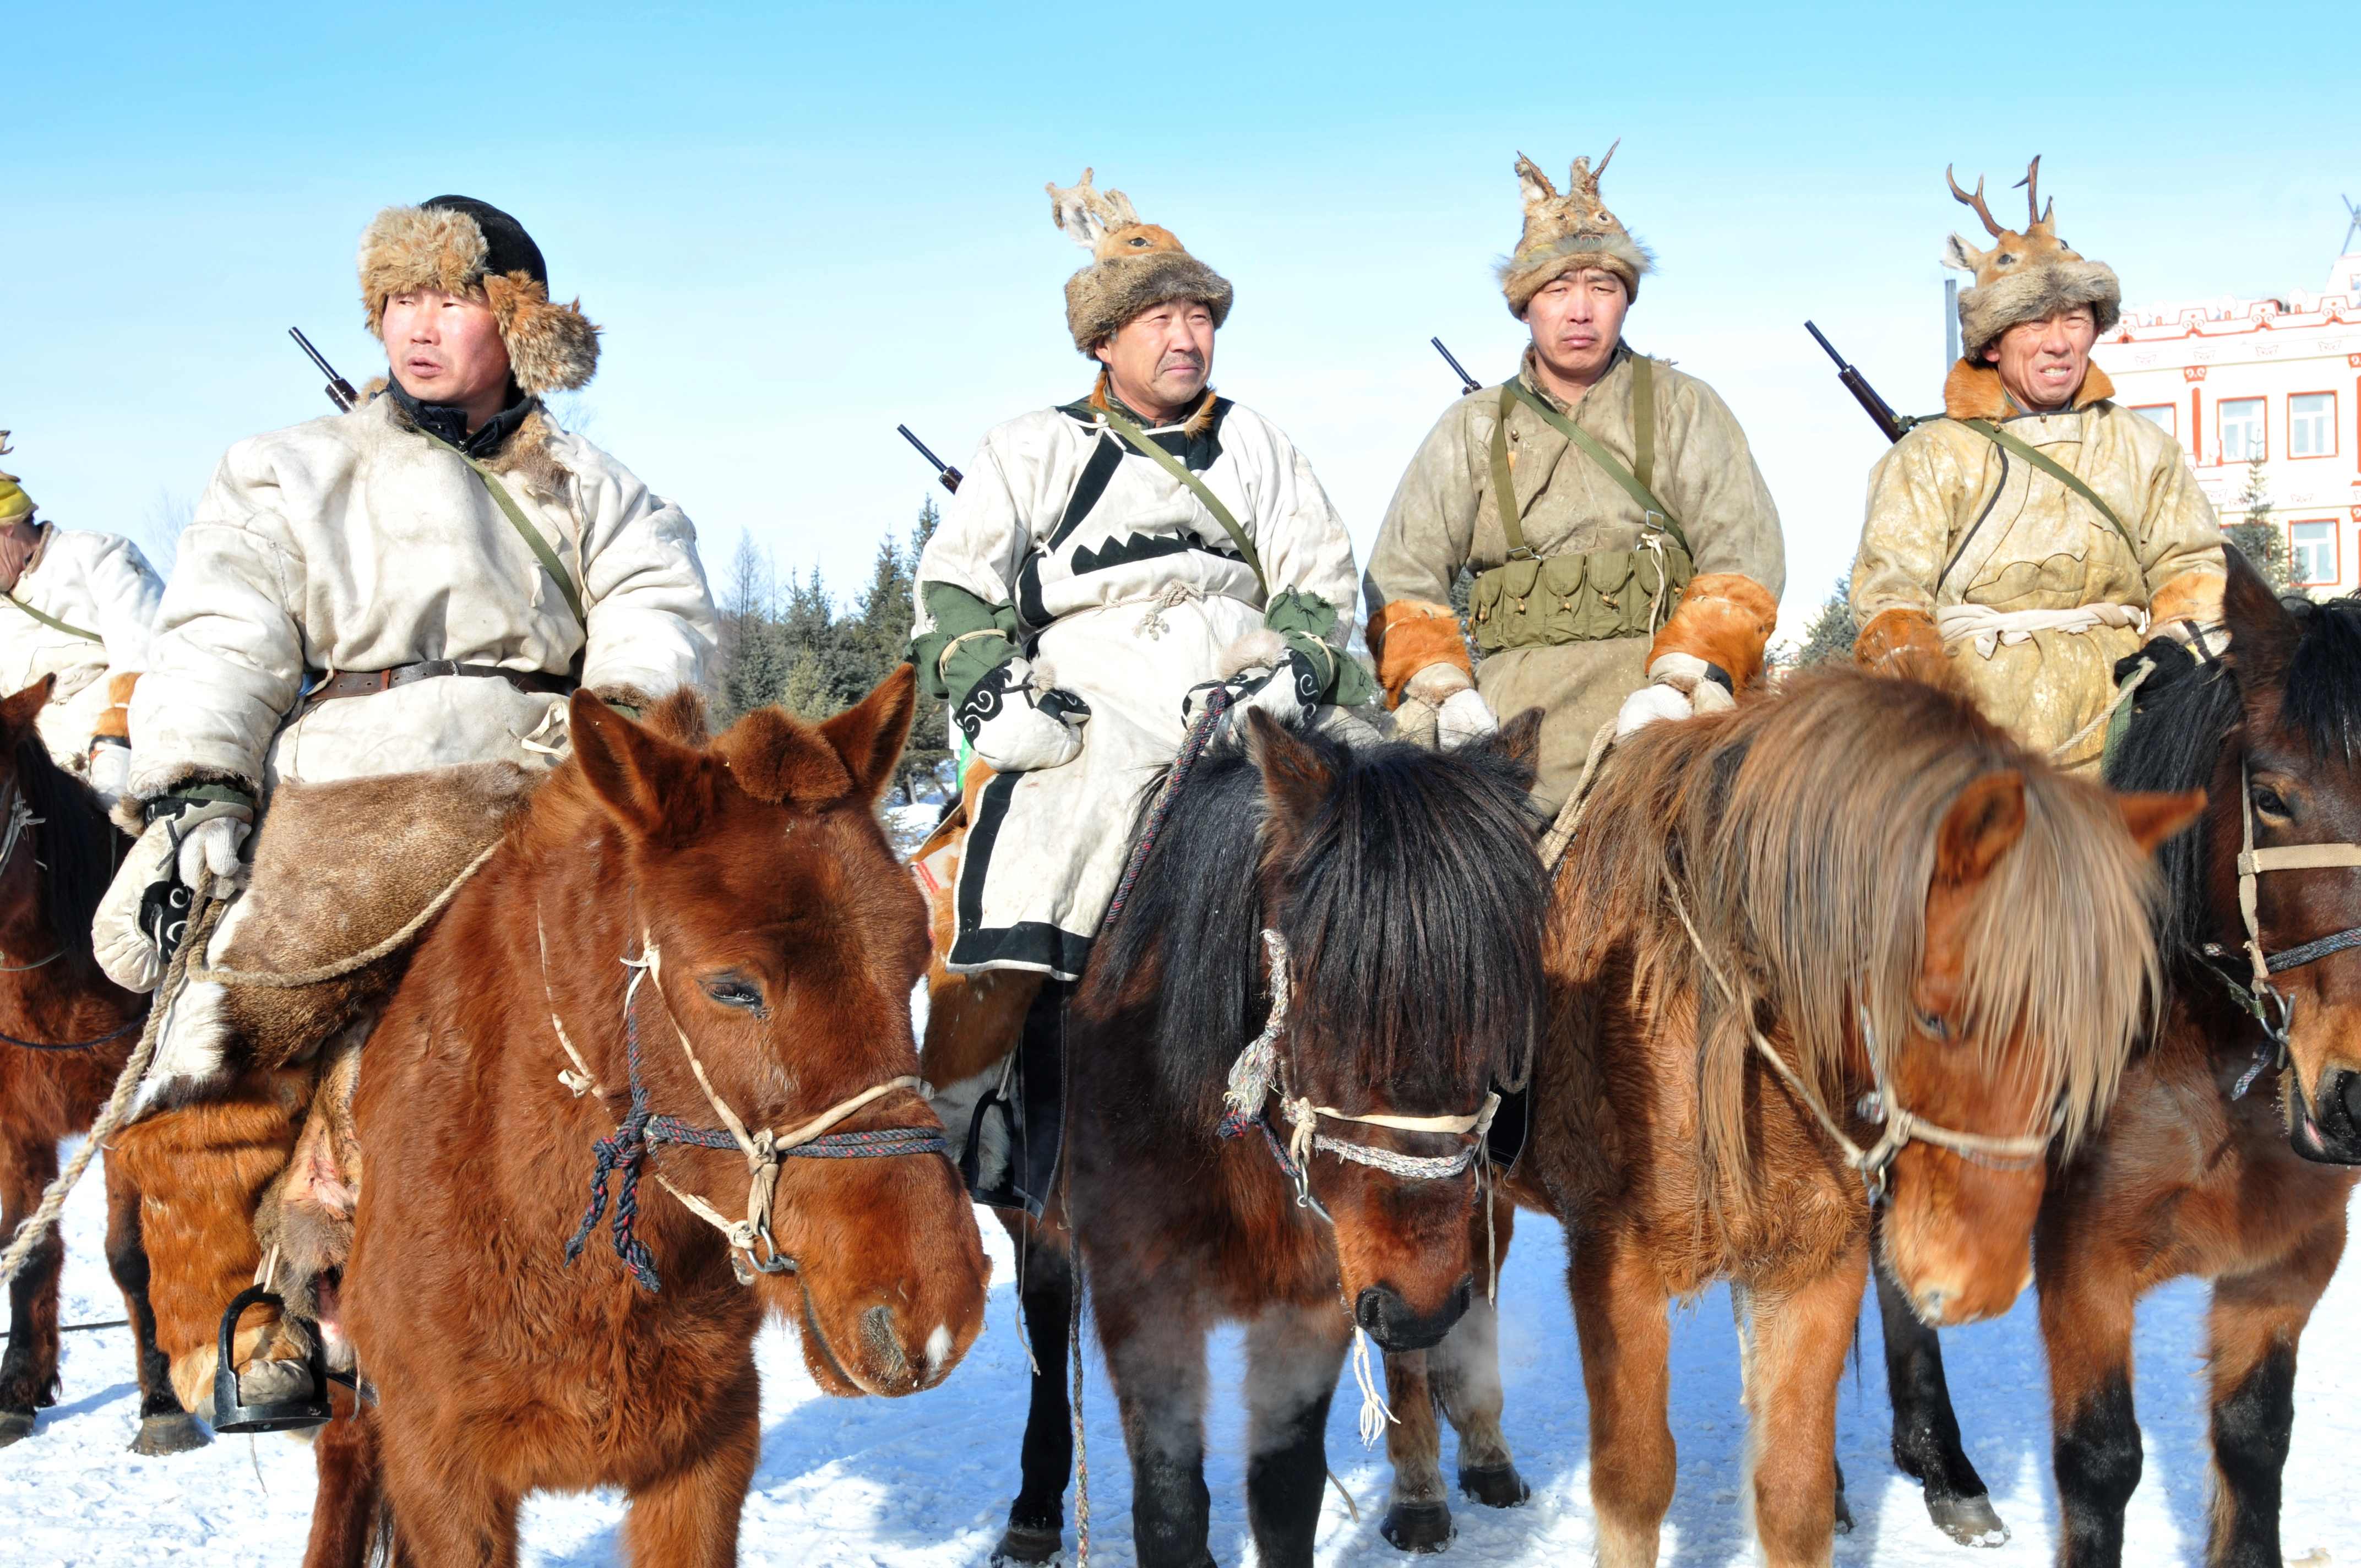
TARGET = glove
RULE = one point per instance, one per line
(146, 911)
(1017, 719)
(1679, 685)
(1287, 691)
(110, 767)
(1649, 704)
(1463, 716)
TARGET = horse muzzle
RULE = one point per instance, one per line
(2327, 1126)
(1392, 1322)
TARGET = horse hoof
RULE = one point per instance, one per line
(1417, 1527)
(1968, 1520)
(1028, 1545)
(14, 1426)
(160, 1435)
(1495, 1486)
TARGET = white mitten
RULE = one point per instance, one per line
(1463, 716)
(146, 911)
(1259, 669)
(1017, 719)
(110, 769)
(1649, 704)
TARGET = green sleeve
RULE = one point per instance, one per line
(1309, 625)
(955, 613)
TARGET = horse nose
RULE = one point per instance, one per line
(920, 1361)
(2332, 1133)
(1390, 1320)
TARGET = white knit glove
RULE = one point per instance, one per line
(1449, 692)
(1463, 716)
(146, 911)
(1019, 720)
(1649, 704)
(110, 769)
(1679, 685)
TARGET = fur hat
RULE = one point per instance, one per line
(1563, 233)
(16, 506)
(2025, 275)
(460, 246)
(1134, 266)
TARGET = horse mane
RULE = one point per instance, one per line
(1413, 919)
(1801, 830)
(79, 846)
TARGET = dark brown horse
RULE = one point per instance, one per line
(721, 932)
(1848, 935)
(2230, 1150)
(65, 1032)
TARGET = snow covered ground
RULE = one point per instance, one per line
(848, 1484)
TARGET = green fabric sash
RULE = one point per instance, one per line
(541, 550)
(1643, 420)
(52, 621)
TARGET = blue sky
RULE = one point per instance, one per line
(800, 226)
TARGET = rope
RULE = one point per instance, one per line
(1375, 1413)
(2065, 748)
(44, 1218)
(360, 960)
(1218, 702)
(1560, 837)
(1081, 1436)
(71, 1045)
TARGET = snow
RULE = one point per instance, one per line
(925, 1483)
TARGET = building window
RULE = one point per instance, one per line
(2165, 415)
(2312, 424)
(2240, 421)
(2312, 553)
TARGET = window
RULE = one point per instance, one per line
(2166, 415)
(2241, 423)
(2312, 424)
(2312, 553)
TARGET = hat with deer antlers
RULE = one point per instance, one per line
(2026, 275)
(14, 504)
(1134, 266)
(457, 245)
(1566, 232)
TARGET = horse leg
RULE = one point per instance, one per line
(344, 1503)
(2086, 1329)
(690, 1518)
(445, 1507)
(29, 1372)
(1155, 1348)
(1037, 1519)
(1925, 1430)
(1293, 1355)
(1626, 1338)
(1466, 1371)
(164, 1426)
(1800, 1342)
(2252, 1331)
(1417, 1515)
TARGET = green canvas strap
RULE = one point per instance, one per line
(1643, 421)
(53, 623)
(1138, 438)
(2056, 470)
(1655, 514)
(540, 547)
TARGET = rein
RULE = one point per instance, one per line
(1900, 1127)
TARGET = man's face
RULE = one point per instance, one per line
(1160, 359)
(445, 348)
(2042, 363)
(1576, 320)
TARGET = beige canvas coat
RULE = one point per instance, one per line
(1953, 520)
(96, 582)
(1445, 517)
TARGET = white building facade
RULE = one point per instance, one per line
(2277, 379)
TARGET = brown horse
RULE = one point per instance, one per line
(65, 1032)
(704, 931)
(1849, 912)
(2229, 1154)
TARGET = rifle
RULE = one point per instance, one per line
(950, 475)
(340, 391)
(1465, 381)
(1893, 426)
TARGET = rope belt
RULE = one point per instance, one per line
(1989, 627)
(1881, 1105)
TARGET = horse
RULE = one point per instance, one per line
(2230, 1150)
(1845, 942)
(1281, 1062)
(65, 1032)
(681, 930)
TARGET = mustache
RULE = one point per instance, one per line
(1182, 357)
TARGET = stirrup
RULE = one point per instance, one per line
(231, 1415)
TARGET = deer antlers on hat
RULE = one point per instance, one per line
(2038, 238)
(1581, 180)
(1103, 222)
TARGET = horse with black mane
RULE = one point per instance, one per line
(65, 1032)
(2230, 1150)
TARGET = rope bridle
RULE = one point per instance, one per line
(752, 1248)
(1900, 1128)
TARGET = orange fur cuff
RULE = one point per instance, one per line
(1724, 618)
(2194, 596)
(1408, 635)
(1900, 641)
(115, 718)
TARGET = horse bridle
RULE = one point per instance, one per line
(12, 837)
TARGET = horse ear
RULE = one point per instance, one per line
(2263, 635)
(1518, 743)
(18, 713)
(869, 735)
(2154, 817)
(1295, 777)
(634, 771)
(1981, 826)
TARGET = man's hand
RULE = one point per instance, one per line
(1461, 714)
(1019, 720)
(110, 767)
(1679, 687)
(1286, 691)
(145, 913)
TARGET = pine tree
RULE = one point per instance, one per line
(2260, 539)
(1831, 632)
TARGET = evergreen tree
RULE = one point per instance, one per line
(1832, 630)
(2261, 540)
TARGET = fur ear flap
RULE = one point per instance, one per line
(1959, 253)
(641, 777)
(1295, 777)
(1538, 190)
(18, 713)
(552, 347)
(869, 735)
(1982, 824)
(2263, 635)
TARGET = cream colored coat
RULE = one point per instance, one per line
(355, 542)
(98, 582)
(1955, 521)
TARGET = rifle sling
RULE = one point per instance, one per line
(542, 552)
(1138, 439)
(53, 623)
(1655, 514)
(2056, 470)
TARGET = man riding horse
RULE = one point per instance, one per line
(1626, 553)
(81, 608)
(414, 584)
(2039, 532)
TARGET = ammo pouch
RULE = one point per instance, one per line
(1545, 602)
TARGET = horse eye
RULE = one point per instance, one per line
(1934, 1023)
(2268, 802)
(732, 992)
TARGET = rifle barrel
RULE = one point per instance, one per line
(1821, 338)
(1469, 382)
(950, 475)
(340, 391)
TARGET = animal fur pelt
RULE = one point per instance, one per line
(552, 347)
(1566, 232)
(2028, 275)
(1134, 266)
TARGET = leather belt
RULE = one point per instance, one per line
(366, 683)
